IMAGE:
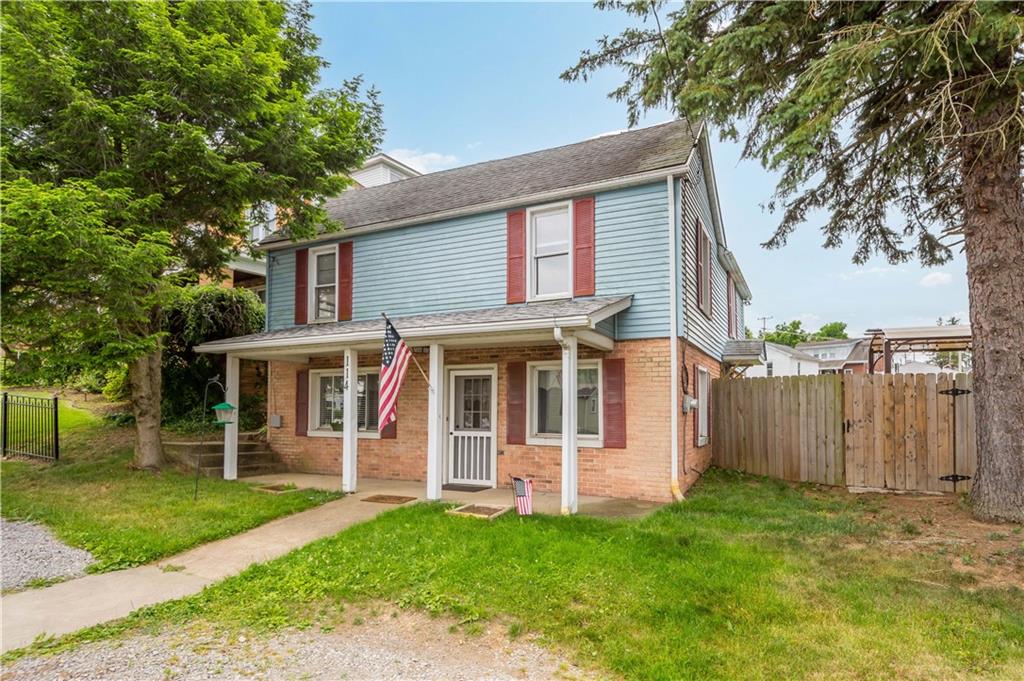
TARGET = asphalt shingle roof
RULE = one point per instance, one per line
(594, 160)
(551, 309)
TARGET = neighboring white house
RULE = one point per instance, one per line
(382, 169)
(782, 360)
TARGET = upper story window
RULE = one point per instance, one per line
(549, 244)
(323, 291)
(731, 299)
(703, 270)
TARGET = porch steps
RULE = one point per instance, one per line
(254, 456)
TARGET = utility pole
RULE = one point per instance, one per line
(764, 323)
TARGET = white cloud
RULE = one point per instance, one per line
(424, 161)
(933, 279)
(877, 271)
(473, 145)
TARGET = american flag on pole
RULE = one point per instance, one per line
(393, 363)
(522, 490)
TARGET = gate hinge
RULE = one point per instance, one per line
(955, 392)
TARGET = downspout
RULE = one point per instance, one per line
(673, 346)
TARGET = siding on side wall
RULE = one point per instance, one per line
(695, 201)
(631, 236)
(280, 289)
(460, 264)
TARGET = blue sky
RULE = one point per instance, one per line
(467, 82)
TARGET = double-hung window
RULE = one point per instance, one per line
(327, 401)
(323, 285)
(703, 398)
(550, 245)
(545, 402)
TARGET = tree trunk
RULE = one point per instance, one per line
(994, 243)
(144, 374)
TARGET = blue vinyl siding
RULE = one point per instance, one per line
(460, 264)
(280, 289)
(631, 256)
(695, 202)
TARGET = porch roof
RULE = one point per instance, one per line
(743, 352)
(580, 314)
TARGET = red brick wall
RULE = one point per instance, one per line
(641, 470)
(694, 460)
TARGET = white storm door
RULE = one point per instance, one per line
(472, 427)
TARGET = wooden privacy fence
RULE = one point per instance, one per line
(885, 431)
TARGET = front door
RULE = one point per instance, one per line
(472, 427)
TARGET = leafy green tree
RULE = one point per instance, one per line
(789, 334)
(200, 314)
(900, 121)
(174, 119)
(836, 330)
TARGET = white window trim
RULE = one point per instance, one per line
(707, 274)
(314, 404)
(555, 439)
(311, 283)
(703, 413)
(530, 258)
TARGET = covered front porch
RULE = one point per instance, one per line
(543, 502)
(450, 420)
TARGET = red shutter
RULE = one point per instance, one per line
(614, 402)
(731, 295)
(516, 404)
(301, 284)
(390, 431)
(516, 257)
(301, 401)
(344, 281)
(583, 247)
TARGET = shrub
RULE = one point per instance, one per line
(117, 387)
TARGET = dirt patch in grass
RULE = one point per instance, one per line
(989, 554)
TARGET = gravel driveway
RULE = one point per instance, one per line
(29, 551)
(398, 645)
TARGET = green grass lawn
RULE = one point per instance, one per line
(95, 500)
(747, 579)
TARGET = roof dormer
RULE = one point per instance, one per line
(382, 169)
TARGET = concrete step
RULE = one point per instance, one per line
(253, 457)
(189, 447)
(244, 470)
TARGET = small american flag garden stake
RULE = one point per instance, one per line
(522, 490)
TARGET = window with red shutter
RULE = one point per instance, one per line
(515, 404)
(301, 401)
(583, 247)
(515, 277)
(345, 281)
(614, 402)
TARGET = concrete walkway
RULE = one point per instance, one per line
(94, 599)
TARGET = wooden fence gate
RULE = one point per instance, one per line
(885, 431)
(908, 431)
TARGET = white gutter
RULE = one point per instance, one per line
(540, 197)
(673, 347)
(413, 332)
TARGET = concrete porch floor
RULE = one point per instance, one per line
(543, 502)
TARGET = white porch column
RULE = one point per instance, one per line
(435, 422)
(231, 396)
(570, 484)
(350, 428)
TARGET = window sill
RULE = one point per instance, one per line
(550, 296)
(322, 321)
(363, 434)
(590, 442)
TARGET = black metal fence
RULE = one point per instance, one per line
(30, 427)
